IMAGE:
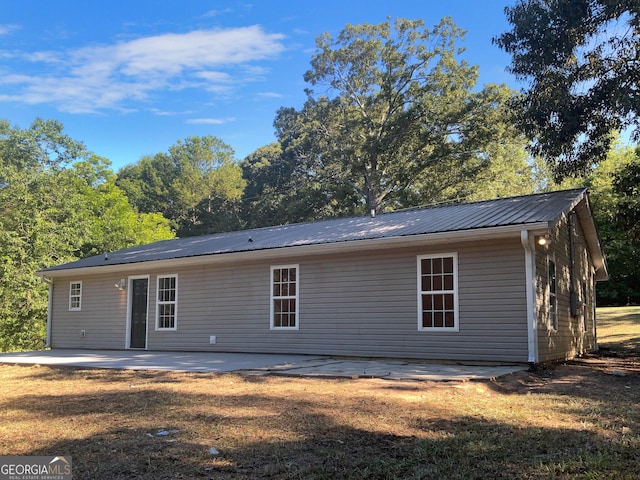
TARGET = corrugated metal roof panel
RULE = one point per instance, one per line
(539, 208)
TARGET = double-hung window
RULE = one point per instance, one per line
(75, 296)
(438, 292)
(167, 302)
(553, 295)
(284, 296)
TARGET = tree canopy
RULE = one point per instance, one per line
(581, 62)
(392, 119)
(197, 184)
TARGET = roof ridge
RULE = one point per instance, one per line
(401, 210)
(451, 203)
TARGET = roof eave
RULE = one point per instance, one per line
(313, 249)
(583, 210)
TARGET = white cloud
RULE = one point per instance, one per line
(96, 78)
(215, 13)
(165, 113)
(270, 95)
(210, 121)
(216, 77)
(8, 29)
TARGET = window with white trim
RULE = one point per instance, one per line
(284, 296)
(167, 302)
(553, 294)
(75, 296)
(438, 292)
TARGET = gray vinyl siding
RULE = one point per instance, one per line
(102, 317)
(571, 337)
(362, 304)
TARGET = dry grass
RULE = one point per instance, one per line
(619, 328)
(577, 420)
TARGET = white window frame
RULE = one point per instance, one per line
(167, 302)
(454, 291)
(552, 325)
(295, 297)
(73, 296)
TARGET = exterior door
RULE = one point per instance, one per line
(139, 293)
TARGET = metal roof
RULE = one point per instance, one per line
(522, 210)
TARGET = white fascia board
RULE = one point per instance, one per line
(511, 231)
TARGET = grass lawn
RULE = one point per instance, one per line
(619, 328)
(579, 420)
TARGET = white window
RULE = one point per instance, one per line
(438, 292)
(284, 297)
(553, 294)
(167, 302)
(75, 296)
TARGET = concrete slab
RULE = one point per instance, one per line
(146, 360)
(261, 364)
(395, 370)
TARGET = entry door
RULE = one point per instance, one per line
(140, 289)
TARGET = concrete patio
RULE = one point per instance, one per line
(261, 364)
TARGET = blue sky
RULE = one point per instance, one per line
(130, 78)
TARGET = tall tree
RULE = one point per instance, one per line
(581, 62)
(197, 185)
(391, 119)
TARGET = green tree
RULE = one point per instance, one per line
(147, 184)
(198, 185)
(626, 185)
(624, 252)
(580, 60)
(56, 205)
(111, 222)
(614, 197)
(392, 120)
(268, 178)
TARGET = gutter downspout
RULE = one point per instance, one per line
(49, 282)
(530, 287)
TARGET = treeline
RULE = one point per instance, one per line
(393, 119)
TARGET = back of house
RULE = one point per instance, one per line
(507, 280)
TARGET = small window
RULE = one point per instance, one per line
(438, 292)
(75, 296)
(284, 297)
(167, 302)
(553, 295)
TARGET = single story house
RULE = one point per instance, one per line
(506, 280)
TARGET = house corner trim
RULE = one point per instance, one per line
(530, 274)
